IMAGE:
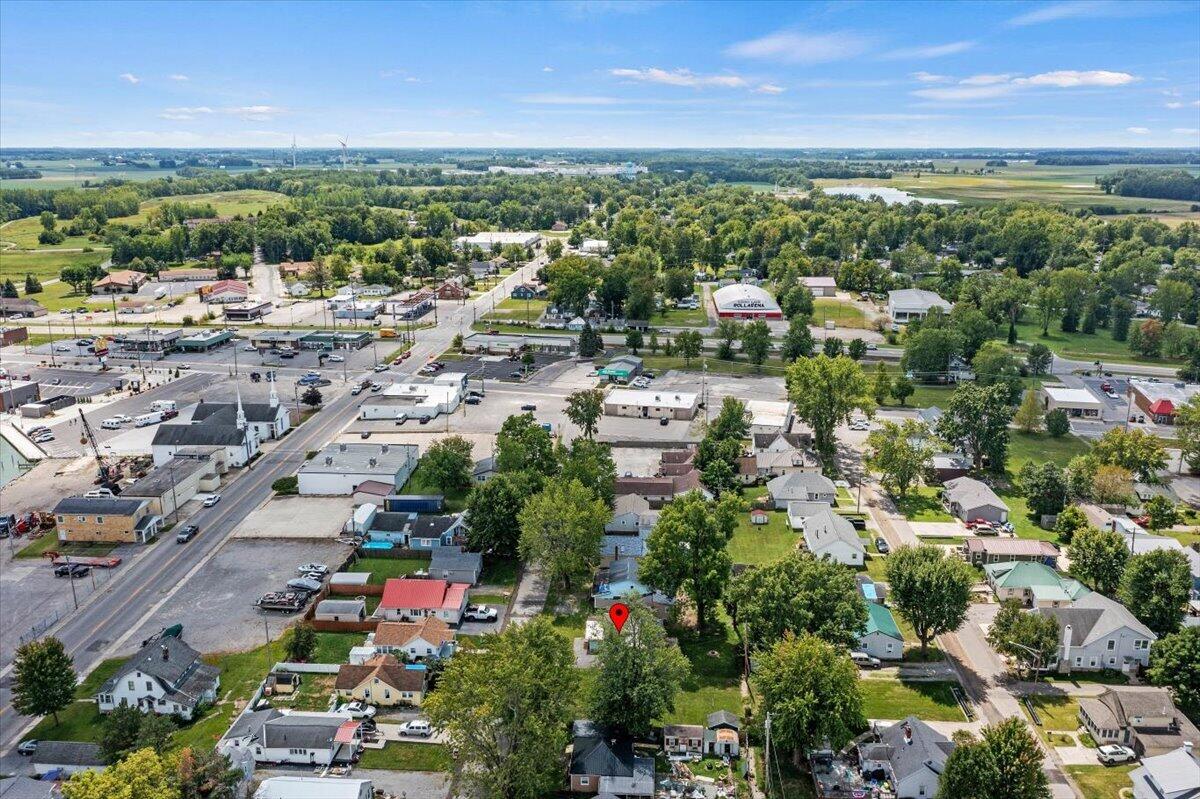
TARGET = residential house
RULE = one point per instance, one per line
(981, 551)
(769, 416)
(606, 765)
(417, 531)
(801, 487)
(64, 758)
(120, 281)
(21, 787)
(1171, 775)
(660, 490)
(527, 291)
(1032, 584)
(106, 519)
(827, 534)
(911, 754)
(626, 532)
(882, 637)
(166, 676)
(298, 289)
(288, 737)
(339, 468)
(683, 741)
(1142, 718)
(620, 579)
(905, 305)
(949, 466)
(722, 734)
(224, 291)
(451, 563)
(1099, 633)
(452, 289)
(383, 681)
(341, 610)
(427, 639)
(769, 464)
(410, 599)
(969, 499)
(485, 469)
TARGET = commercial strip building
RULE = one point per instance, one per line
(247, 311)
(1075, 402)
(493, 238)
(651, 404)
(339, 468)
(504, 344)
(310, 340)
(204, 340)
(416, 399)
(172, 485)
(148, 340)
(741, 301)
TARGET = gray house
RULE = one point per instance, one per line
(1139, 717)
(166, 676)
(454, 565)
(801, 487)
(912, 754)
(1099, 633)
(1173, 775)
(67, 758)
(969, 499)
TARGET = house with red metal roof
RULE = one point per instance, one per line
(410, 599)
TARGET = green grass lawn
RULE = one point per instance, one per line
(1101, 782)
(499, 600)
(49, 541)
(500, 572)
(241, 202)
(661, 363)
(840, 312)
(922, 505)
(43, 265)
(24, 233)
(681, 317)
(383, 568)
(1040, 448)
(419, 483)
(754, 543)
(894, 699)
(713, 683)
(1083, 346)
(912, 645)
(1056, 712)
(408, 756)
(510, 310)
(877, 567)
(81, 720)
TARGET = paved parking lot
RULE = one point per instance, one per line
(216, 604)
(499, 367)
(297, 517)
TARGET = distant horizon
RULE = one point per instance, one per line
(516, 148)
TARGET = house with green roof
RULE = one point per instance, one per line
(1034, 585)
(882, 638)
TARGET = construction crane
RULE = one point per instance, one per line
(108, 476)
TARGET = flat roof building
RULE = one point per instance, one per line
(1077, 402)
(509, 344)
(651, 404)
(906, 305)
(204, 340)
(489, 238)
(1162, 400)
(339, 468)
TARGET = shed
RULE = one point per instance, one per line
(341, 610)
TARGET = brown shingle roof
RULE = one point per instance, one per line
(397, 633)
(389, 671)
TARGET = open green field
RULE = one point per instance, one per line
(1070, 186)
(1102, 782)
(1082, 346)
(49, 541)
(681, 317)
(227, 203)
(509, 310)
(23, 234)
(885, 698)
(63, 173)
(844, 314)
(44, 265)
(715, 677)
(1040, 447)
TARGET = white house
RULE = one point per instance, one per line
(408, 599)
(827, 534)
(491, 238)
(1099, 633)
(294, 737)
(906, 305)
(166, 676)
(430, 638)
(298, 289)
(882, 638)
(912, 753)
(339, 468)
(970, 499)
(594, 247)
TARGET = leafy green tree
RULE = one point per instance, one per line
(638, 673)
(1175, 663)
(448, 464)
(900, 454)
(931, 591)
(727, 332)
(1057, 423)
(523, 444)
(32, 285)
(689, 344)
(1155, 587)
(686, 551)
(756, 341)
(1171, 298)
(1111, 485)
(1162, 512)
(590, 343)
(1030, 639)
(1071, 520)
(312, 397)
(1005, 764)
(995, 364)
(797, 594)
(731, 422)
(929, 350)
(301, 645)
(1136, 450)
(976, 420)
(633, 340)
(141, 775)
(902, 389)
(1039, 358)
(119, 731)
(584, 409)
(561, 530)
(43, 678)
(810, 688)
(1029, 415)
(206, 774)
(832, 347)
(798, 341)
(825, 392)
(882, 386)
(1098, 558)
(1048, 301)
(1187, 432)
(154, 732)
(493, 508)
(1122, 313)
(591, 463)
(506, 708)
(1044, 486)
(856, 349)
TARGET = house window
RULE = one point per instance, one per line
(149, 685)
(585, 780)
(130, 684)
(61, 519)
(1111, 644)
(99, 520)
(81, 518)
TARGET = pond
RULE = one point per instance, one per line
(886, 193)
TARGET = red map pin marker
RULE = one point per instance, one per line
(619, 612)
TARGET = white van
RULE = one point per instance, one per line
(160, 292)
(147, 419)
(111, 424)
(164, 405)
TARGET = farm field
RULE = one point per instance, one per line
(1071, 186)
(23, 235)
(59, 174)
(226, 203)
(44, 266)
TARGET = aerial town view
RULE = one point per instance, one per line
(600, 399)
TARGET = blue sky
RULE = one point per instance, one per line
(574, 74)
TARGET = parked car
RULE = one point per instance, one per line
(186, 534)
(357, 710)
(27, 748)
(1115, 754)
(664, 421)
(337, 359)
(419, 728)
(304, 584)
(211, 499)
(480, 613)
(249, 348)
(376, 387)
(379, 367)
(882, 546)
(354, 392)
(306, 568)
(528, 407)
(72, 570)
(61, 348)
(472, 400)
(865, 661)
(365, 434)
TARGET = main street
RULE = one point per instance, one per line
(96, 630)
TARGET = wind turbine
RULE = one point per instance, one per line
(343, 143)
(293, 151)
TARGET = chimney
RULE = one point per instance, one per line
(384, 448)
(341, 447)
(908, 738)
(166, 653)
(1065, 663)
(372, 462)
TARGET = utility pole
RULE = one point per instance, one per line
(767, 753)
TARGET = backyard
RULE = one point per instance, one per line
(1102, 782)
(408, 756)
(715, 677)
(922, 504)
(762, 543)
(383, 568)
(886, 698)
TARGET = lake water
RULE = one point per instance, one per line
(886, 193)
(12, 464)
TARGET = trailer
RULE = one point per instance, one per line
(283, 601)
(107, 562)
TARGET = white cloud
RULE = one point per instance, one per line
(130, 77)
(929, 50)
(769, 88)
(255, 113)
(1186, 131)
(1175, 105)
(986, 87)
(399, 73)
(1138, 130)
(567, 99)
(185, 112)
(797, 47)
(1087, 9)
(679, 77)
(929, 77)
(547, 69)
(178, 77)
